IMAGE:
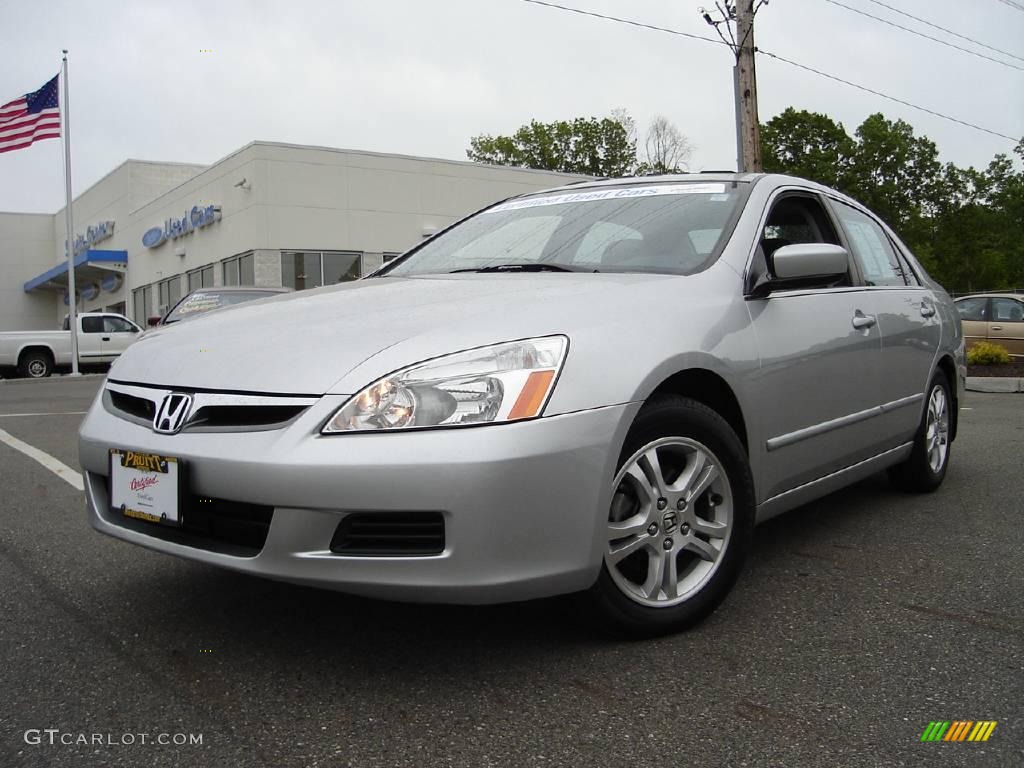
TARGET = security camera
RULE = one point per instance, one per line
(244, 184)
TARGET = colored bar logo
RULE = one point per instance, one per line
(958, 730)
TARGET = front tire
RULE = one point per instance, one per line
(35, 365)
(680, 523)
(926, 467)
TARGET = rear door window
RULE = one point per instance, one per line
(92, 324)
(871, 247)
(1007, 311)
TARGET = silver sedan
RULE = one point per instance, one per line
(595, 389)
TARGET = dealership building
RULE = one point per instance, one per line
(268, 214)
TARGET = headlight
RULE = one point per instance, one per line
(489, 385)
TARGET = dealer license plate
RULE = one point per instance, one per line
(146, 486)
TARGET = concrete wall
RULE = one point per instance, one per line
(26, 245)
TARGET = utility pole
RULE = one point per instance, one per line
(748, 130)
(746, 89)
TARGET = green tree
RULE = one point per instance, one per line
(894, 173)
(807, 144)
(592, 146)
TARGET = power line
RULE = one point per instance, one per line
(885, 95)
(631, 22)
(947, 31)
(1015, 6)
(925, 36)
(780, 58)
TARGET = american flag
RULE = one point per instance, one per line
(33, 117)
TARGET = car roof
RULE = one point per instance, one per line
(1018, 296)
(705, 176)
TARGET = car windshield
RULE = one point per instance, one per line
(674, 228)
(201, 302)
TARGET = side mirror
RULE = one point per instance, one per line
(809, 260)
(153, 321)
(794, 266)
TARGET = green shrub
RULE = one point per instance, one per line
(987, 353)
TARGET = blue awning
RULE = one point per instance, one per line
(58, 275)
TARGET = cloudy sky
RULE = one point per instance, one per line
(423, 76)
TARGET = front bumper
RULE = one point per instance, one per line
(524, 504)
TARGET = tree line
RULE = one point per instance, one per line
(965, 225)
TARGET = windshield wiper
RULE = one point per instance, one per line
(534, 266)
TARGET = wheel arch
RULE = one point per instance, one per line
(947, 365)
(711, 389)
(28, 348)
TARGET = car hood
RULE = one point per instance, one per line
(307, 343)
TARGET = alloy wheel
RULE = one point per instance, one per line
(670, 521)
(937, 429)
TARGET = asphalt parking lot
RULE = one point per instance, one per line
(860, 619)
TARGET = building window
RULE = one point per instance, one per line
(142, 304)
(239, 270)
(300, 270)
(200, 278)
(389, 256)
(311, 269)
(169, 292)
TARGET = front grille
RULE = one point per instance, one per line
(218, 525)
(139, 407)
(389, 533)
(243, 416)
(211, 411)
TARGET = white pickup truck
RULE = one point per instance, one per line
(102, 336)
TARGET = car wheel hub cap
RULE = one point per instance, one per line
(937, 429)
(660, 558)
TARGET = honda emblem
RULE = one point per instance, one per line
(171, 415)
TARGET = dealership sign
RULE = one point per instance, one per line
(198, 217)
(111, 282)
(93, 235)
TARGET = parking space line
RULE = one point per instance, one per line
(59, 468)
(55, 413)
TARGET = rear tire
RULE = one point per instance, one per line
(926, 467)
(680, 524)
(35, 364)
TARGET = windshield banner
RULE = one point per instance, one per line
(611, 193)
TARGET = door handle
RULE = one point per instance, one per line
(105, 338)
(995, 327)
(862, 322)
(927, 310)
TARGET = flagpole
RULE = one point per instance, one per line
(69, 225)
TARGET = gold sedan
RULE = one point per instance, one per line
(995, 317)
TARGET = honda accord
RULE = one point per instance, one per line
(597, 389)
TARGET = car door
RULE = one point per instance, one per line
(907, 320)
(818, 386)
(89, 339)
(973, 319)
(118, 333)
(1006, 324)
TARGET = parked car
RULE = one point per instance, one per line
(995, 317)
(203, 300)
(598, 389)
(102, 336)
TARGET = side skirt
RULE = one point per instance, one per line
(815, 489)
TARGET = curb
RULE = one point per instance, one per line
(994, 384)
(55, 377)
